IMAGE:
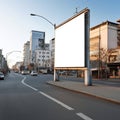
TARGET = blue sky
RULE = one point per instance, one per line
(16, 22)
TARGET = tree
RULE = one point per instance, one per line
(102, 58)
(31, 66)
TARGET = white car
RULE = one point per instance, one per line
(34, 73)
(2, 76)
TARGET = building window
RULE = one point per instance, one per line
(47, 53)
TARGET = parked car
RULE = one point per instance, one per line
(34, 73)
(2, 76)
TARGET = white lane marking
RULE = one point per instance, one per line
(83, 116)
(44, 94)
(28, 85)
(57, 101)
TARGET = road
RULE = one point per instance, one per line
(25, 97)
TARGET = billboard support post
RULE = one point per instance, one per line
(88, 78)
(56, 75)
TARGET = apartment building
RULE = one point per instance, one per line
(42, 58)
(104, 45)
(104, 36)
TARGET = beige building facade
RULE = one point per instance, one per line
(104, 36)
(104, 45)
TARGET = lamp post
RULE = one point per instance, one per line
(54, 25)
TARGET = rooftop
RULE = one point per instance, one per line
(103, 23)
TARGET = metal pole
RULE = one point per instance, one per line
(88, 78)
(56, 75)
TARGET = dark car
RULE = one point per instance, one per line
(2, 76)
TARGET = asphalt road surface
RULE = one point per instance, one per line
(25, 97)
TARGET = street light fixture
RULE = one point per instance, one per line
(43, 18)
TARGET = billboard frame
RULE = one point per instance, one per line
(86, 69)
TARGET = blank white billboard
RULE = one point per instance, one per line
(70, 43)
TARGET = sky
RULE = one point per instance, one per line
(16, 22)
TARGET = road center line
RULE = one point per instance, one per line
(28, 85)
(83, 116)
(57, 101)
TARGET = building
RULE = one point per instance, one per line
(26, 54)
(37, 53)
(104, 45)
(42, 58)
(103, 35)
(37, 40)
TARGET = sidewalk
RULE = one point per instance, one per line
(108, 93)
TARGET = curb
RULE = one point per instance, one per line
(86, 93)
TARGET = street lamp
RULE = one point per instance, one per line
(43, 18)
(54, 25)
(11, 53)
